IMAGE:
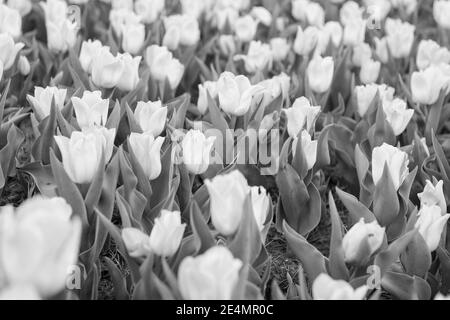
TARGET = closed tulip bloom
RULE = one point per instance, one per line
(151, 117)
(8, 50)
(10, 21)
(129, 78)
(212, 275)
(397, 115)
(258, 57)
(400, 37)
(203, 90)
(378, 9)
(370, 71)
(39, 242)
(301, 115)
(245, 28)
(426, 85)
(396, 160)
(222, 17)
(227, 193)
(361, 52)
(42, 100)
(280, 48)
(433, 195)
(235, 93)
(197, 151)
(167, 233)
(315, 15)
(365, 94)
(181, 30)
(133, 37)
(260, 204)
(147, 150)
(91, 109)
(309, 148)
(120, 18)
(326, 288)
(82, 152)
(441, 12)
(430, 224)
(350, 10)
(335, 32)
(261, 15)
(227, 44)
(354, 32)
(23, 65)
(89, 50)
(381, 49)
(273, 88)
(430, 53)
(23, 6)
(306, 40)
(163, 66)
(148, 10)
(19, 292)
(136, 242)
(107, 70)
(298, 9)
(320, 73)
(361, 241)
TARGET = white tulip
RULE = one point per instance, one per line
(431, 223)
(42, 100)
(326, 288)
(245, 28)
(280, 48)
(258, 58)
(197, 151)
(396, 161)
(273, 88)
(381, 49)
(397, 115)
(361, 52)
(301, 115)
(227, 44)
(147, 150)
(164, 66)
(354, 32)
(129, 78)
(335, 32)
(136, 242)
(10, 21)
(260, 204)
(203, 89)
(148, 10)
(8, 50)
(181, 30)
(441, 12)
(399, 37)
(433, 195)
(133, 37)
(120, 18)
(151, 116)
(320, 73)
(430, 53)
(24, 66)
(350, 10)
(299, 9)
(315, 14)
(23, 6)
(91, 109)
(262, 15)
(107, 70)
(370, 71)
(167, 233)
(309, 148)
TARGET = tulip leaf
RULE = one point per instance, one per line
(200, 229)
(95, 188)
(434, 116)
(444, 259)
(444, 166)
(118, 280)
(355, 208)
(41, 147)
(416, 259)
(406, 287)
(114, 117)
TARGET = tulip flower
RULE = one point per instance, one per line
(320, 73)
(370, 71)
(315, 14)
(361, 52)
(224, 16)
(195, 8)
(22, 6)
(180, 30)
(366, 94)
(42, 100)
(203, 89)
(441, 12)
(426, 85)
(433, 195)
(227, 194)
(120, 18)
(40, 241)
(10, 21)
(354, 32)
(8, 50)
(326, 288)
(261, 15)
(381, 49)
(260, 204)
(306, 40)
(301, 115)
(430, 53)
(89, 50)
(245, 28)
(227, 44)
(273, 88)
(396, 161)
(133, 37)
(147, 150)
(197, 151)
(361, 241)
(400, 37)
(148, 10)
(299, 9)
(136, 242)
(163, 66)
(309, 148)
(350, 11)
(431, 223)
(235, 93)
(280, 48)
(24, 66)
(167, 233)
(129, 78)
(335, 32)
(107, 70)
(212, 275)
(151, 117)
(91, 109)
(82, 152)
(258, 57)
(397, 115)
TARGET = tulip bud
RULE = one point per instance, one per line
(91, 109)
(400, 37)
(89, 50)
(441, 12)
(10, 21)
(183, 28)
(433, 195)
(42, 100)
(280, 48)
(207, 87)
(40, 241)
(147, 150)
(260, 204)
(136, 242)
(227, 45)
(107, 70)
(396, 160)
(8, 50)
(326, 288)
(235, 93)
(24, 66)
(315, 15)
(431, 223)
(309, 148)
(216, 264)
(148, 10)
(262, 15)
(227, 194)
(306, 41)
(370, 71)
(245, 28)
(320, 73)
(133, 37)
(397, 115)
(129, 78)
(151, 116)
(167, 233)
(258, 58)
(82, 153)
(426, 85)
(430, 53)
(224, 16)
(361, 241)
(301, 115)
(197, 151)
(163, 66)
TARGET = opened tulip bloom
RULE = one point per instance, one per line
(151, 117)
(306, 40)
(301, 116)
(91, 109)
(426, 85)
(167, 233)
(258, 58)
(320, 73)
(431, 53)
(107, 69)
(133, 37)
(431, 223)
(400, 37)
(365, 95)
(197, 151)
(326, 288)
(212, 275)
(396, 161)
(147, 150)
(397, 115)
(441, 11)
(433, 195)
(42, 99)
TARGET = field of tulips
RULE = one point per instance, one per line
(224, 149)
